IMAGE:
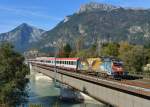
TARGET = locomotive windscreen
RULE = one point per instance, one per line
(117, 64)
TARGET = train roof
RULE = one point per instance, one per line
(70, 59)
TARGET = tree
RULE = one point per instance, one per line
(67, 50)
(110, 49)
(133, 58)
(82, 54)
(124, 46)
(12, 76)
(92, 51)
(147, 56)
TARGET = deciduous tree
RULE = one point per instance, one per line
(12, 76)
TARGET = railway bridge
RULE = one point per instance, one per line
(114, 93)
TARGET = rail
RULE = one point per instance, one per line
(140, 74)
(104, 82)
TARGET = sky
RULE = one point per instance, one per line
(46, 14)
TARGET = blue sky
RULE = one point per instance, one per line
(46, 14)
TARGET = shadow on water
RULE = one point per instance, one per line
(54, 101)
(45, 101)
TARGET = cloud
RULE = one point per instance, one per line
(29, 12)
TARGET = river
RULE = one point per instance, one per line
(43, 93)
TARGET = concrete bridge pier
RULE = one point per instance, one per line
(70, 95)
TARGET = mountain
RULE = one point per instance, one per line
(95, 22)
(92, 23)
(23, 36)
(92, 6)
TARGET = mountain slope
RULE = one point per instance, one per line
(101, 23)
(22, 37)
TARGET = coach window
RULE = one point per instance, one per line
(74, 63)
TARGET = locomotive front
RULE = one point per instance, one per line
(117, 67)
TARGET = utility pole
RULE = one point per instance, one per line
(55, 66)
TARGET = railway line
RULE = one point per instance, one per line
(139, 86)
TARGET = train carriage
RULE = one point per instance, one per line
(106, 65)
(67, 63)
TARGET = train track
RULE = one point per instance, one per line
(136, 86)
(137, 82)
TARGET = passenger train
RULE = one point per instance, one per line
(105, 65)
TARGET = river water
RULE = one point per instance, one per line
(43, 93)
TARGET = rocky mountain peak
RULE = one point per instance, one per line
(22, 36)
(24, 24)
(93, 6)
